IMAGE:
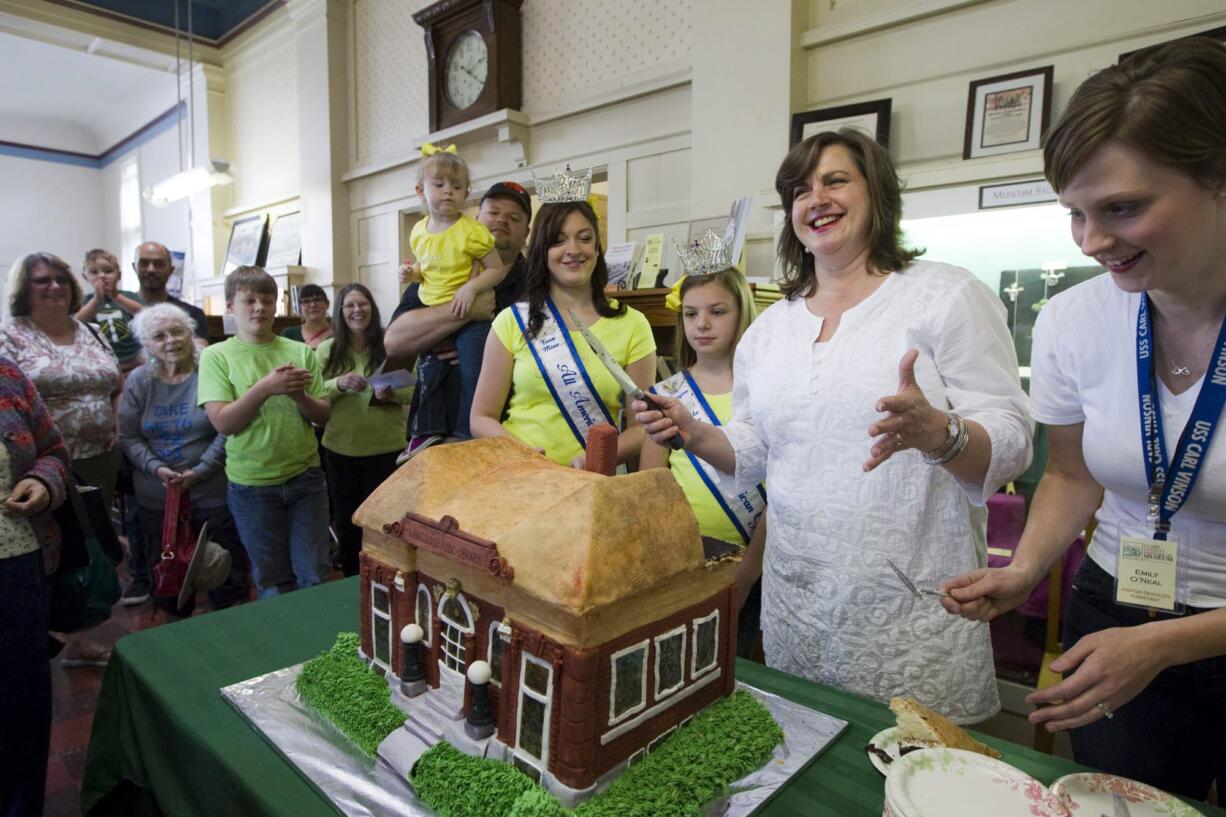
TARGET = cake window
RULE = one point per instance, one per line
(535, 702)
(706, 631)
(670, 662)
(457, 623)
(536, 678)
(532, 726)
(423, 612)
(497, 645)
(628, 691)
(380, 625)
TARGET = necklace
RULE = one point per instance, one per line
(1181, 371)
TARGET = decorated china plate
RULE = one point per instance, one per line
(955, 783)
(885, 747)
(1089, 795)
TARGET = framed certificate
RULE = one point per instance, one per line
(871, 117)
(246, 241)
(285, 241)
(1007, 114)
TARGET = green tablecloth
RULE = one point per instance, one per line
(161, 724)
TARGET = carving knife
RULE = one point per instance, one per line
(631, 388)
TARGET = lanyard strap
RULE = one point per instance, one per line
(1169, 491)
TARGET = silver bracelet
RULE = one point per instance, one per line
(955, 442)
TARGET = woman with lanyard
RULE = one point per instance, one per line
(714, 307)
(1124, 365)
(536, 357)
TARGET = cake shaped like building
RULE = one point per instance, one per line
(605, 619)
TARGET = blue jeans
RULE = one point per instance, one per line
(285, 530)
(1173, 734)
(432, 375)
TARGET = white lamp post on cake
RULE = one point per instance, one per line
(479, 723)
(413, 678)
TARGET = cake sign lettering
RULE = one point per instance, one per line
(458, 547)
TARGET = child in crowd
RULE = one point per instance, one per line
(110, 307)
(714, 310)
(448, 246)
(264, 392)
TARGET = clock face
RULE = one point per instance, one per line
(466, 69)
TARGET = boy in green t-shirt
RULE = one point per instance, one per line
(263, 392)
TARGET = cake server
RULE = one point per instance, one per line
(918, 592)
(631, 388)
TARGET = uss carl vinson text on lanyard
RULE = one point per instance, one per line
(1151, 572)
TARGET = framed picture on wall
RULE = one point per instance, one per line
(285, 241)
(1218, 34)
(1008, 113)
(246, 241)
(871, 117)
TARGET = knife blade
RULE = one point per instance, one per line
(1120, 805)
(627, 385)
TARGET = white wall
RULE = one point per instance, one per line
(263, 95)
(870, 49)
(51, 207)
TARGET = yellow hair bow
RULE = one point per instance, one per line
(428, 149)
(673, 299)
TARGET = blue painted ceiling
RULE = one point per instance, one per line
(211, 19)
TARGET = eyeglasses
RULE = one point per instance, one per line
(355, 307)
(46, 281)
(312, 301)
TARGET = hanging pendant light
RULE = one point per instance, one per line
(197, 178)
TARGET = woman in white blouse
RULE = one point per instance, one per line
(880, 402)
(1139, 158)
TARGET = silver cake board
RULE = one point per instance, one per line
(361, 786)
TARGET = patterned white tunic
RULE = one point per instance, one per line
(832, 610)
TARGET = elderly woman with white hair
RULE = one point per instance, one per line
(169, 440)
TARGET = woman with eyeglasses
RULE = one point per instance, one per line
(76, 374)
(315, 327)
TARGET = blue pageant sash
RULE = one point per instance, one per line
(743, 510)
(1169, 490)
(563, 370)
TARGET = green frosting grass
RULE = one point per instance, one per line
(723, 743)
(340, 686)
(458, 785)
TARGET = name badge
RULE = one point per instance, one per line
(1147, 574)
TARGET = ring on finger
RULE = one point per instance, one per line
(1107, 713)
(898, 443)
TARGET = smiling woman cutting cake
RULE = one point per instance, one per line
(1130, 373)
(880, 401)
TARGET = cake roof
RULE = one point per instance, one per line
(574, 539)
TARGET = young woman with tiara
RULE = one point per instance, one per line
(714, 307)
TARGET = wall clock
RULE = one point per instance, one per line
(473, 50)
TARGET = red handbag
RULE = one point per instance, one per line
(178, 544)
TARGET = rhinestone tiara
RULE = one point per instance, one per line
(705, 255)
(562, 186)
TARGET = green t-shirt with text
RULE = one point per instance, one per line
(279, 444)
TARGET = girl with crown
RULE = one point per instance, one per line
(714, 307)
(537, 365)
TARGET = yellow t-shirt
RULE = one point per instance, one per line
(446, 258)
(357, 427)
(712, 520)
(533, 417)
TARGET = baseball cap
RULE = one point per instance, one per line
(510, 190)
